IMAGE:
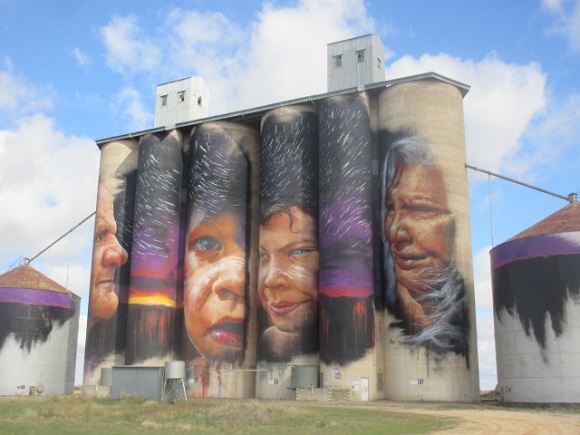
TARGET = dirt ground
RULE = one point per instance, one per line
(476, 419)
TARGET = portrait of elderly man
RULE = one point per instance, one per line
(108, 256)
(425, 290)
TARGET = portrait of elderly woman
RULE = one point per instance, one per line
(425, 290)
(215, 250)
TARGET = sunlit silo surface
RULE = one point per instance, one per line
(536, 296)
(39, 321)
(285, 247)
(430, 335)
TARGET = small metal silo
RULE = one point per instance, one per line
(39, 321)
(536, 294)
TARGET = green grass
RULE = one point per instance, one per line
(89, 415)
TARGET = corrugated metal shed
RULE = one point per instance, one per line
(137, 381)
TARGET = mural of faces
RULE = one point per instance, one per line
(288, 271)
(108, 255)
(424, 288)
(214, 287)
(215, 245)
(419, 228)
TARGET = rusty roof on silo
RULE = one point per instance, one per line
(564, 220)
(29, 278)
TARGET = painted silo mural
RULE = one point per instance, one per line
(216, 295)
(322, 244)
(153, 291)
(346, 261)
(536, 289)
(39, 322)
(430, 321)
(288, 247)
(110, 273)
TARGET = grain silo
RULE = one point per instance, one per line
(430, 342)
(295, 278)
(39, 321)
(536, 295)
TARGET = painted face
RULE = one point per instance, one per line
(288, 273)
(418, 224)
(108, 255)
(214, 287)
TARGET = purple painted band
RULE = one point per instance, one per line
(533, 247)
(36, 297)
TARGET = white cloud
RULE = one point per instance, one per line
(485, 319)
(486, 349)
(553, 5)
(286, 58)
(129, 105)
(18, 97)
(196, 29)
(82, 58)
(71, 273)
(209, 45)
(47, 183)
(482, 279)
(554, 137)
(128, 48)
(567, 20)
(80, 359)
(277, 57)
(503, 101)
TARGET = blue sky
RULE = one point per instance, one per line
(72, 72)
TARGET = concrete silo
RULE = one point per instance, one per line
(288, 247)
(39, 322)
(430, 336)
(220, 260)
(536, 295)
(111, 265)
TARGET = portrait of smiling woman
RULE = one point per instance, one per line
(215, 255)
(424, 287)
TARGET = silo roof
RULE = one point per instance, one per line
(558, 234)
(29, 278)
(564, 220)
(26, 285)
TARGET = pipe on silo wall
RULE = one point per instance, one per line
(430, 330)
(346, 283)
(220, 264)
(110, 272)
(536, 289)
(151, 334)
(288, 248)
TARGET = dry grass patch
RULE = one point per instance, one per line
(89, 415)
